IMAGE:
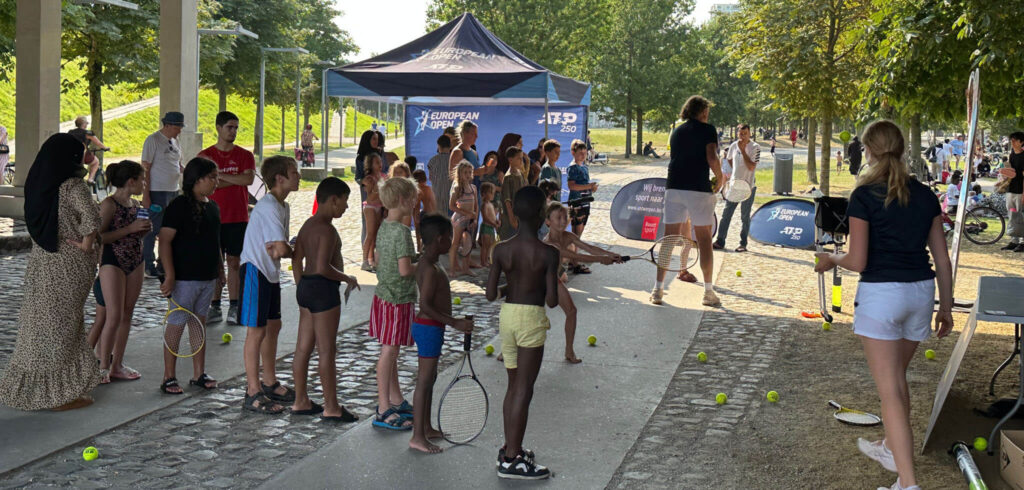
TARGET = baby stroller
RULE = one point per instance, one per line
(831, 226)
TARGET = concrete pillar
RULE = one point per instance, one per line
(179, 38)
(37, 48)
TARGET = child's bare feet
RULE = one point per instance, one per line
(501, 357)
(432, 433)
(572, 359)
(424, 445)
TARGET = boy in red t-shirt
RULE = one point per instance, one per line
(237, 168)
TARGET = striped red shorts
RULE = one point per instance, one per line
(391, 324)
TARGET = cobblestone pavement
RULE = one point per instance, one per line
(10, 226)
(688, 430)
(206, 440)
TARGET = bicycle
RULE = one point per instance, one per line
(983, 224)
(8, 176)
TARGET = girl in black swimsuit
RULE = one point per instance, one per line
(122, 231)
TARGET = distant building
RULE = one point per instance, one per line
(725, 8)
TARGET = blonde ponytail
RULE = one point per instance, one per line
(886, 165)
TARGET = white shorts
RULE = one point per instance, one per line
(698, 207)
(894, 310)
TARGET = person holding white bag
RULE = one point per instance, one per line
(744, 166)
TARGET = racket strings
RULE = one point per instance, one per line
(857, 418)
(182, 325)
(463, 411)
(668, 253)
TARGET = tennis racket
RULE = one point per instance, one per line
(181, 324)
(462, 411)
(736, 191)
(854, 417)
(465, 242)
(667, 251)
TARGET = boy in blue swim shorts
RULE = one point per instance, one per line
(428, 325)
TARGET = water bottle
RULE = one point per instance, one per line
(142, 213)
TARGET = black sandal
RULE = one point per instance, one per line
(345, 417)
(264, 404)
(170, 383)
(287, 397)
(203, 382)
(314, 408)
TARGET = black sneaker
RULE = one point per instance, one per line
(522, 468)
(232, 317)
(522, 451)
(717, 246)
(214, 315)
(1020, 248)
(1010, 246)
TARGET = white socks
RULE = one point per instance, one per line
(709, 287)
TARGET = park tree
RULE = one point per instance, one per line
(7, 26)
(114, 45)
(719, 81)
(804, 56)
(325, 42)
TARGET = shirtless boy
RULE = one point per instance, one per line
(569, 245)
(317, 267)
(531, 269)
(428, 326)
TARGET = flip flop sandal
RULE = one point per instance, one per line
(104, 376)
(344, 418)
(288, 396)
(264, 404)
(171, 383)
(404, 408)
(127, 374)
(203, 382)
(384, 421)
(313, 409)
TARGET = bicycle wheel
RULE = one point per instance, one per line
(984, 225)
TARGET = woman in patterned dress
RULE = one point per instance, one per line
(52, 366)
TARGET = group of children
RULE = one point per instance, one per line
(533, 261)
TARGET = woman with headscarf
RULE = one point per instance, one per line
(52, 366)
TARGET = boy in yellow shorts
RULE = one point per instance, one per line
(531, 270)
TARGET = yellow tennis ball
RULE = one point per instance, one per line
(457, 300)
(702, 357)
(592, 340)
(489, 349)
(929, 354)
(90, 453)
(826, 326)
(739, 273)
(226, 338)
(980, 443)
(721, 398)
(289, 267)
(773, 396)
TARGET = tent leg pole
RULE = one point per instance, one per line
(546, 117)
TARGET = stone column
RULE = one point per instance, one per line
(37, 48)
(178, 45)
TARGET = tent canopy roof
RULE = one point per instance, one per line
(458, 62)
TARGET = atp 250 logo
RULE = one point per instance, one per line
(565, 120)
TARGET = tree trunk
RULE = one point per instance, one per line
(629, 125)
(812, 166)
(826, 152)
(639, 131)
(917, 164)
(222, 98)
(94, 73)
(283, 125)
(305, 117)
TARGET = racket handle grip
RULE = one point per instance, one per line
(467, 342)
(833, 404)
(625, 258)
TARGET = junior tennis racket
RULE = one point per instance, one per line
(465, 243)
(180, 325)
(666, 253)
(462, 411)
(854, 417)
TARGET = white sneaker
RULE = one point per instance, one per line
(656, 295)
(711, 299)
(896, 486)
(877, 451)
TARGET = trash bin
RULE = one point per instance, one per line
(782, 177)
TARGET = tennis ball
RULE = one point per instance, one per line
(226, 338)
(980, 443)
(592, 340)
(826, 326)
(816, 259)
(929, 354)
(489, 349)
(739, 273)
(457, 300)
(702, 357)
(90, 453)
(721, 398)
(773, 396)
(289, 267)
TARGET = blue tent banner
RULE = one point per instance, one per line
(787, 222)
(424, 123)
